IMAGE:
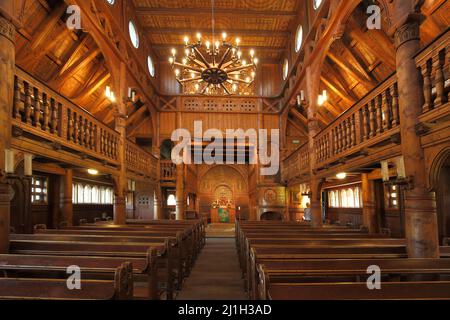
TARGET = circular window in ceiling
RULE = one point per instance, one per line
(285, 69)
(134, 36)
(151, 66)
(299, 38)
(316, 4)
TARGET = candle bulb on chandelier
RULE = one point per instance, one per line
(224, 36)
(186, 40)
(199, 37)
(174, 52)
(238, 41)
(208, 44)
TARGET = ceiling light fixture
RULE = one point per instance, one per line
(214, 67)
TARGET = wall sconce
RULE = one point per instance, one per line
(322, 98)
(110, 94)
(132, 94)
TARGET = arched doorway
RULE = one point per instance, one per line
(442, 187)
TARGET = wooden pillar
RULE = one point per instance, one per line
(158, 203)
(180, 208)
(369, 206)
(120, 212)
(313, 73)
(66, 197)
(420, 206)
(7, 70)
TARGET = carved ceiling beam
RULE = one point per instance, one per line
(207, 32)
(93, 85)
(299, 116)
(143, 11)
(78, 65)
(331, 109)
(351, 70)
(136, 115)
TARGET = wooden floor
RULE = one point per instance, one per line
(216, 275)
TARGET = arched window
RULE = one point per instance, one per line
(95, 195)
(316, 4)
(80, 191)
(344, 199)
(134, 36)
(299, 38)
(87, 194)
(111, 2)
(350, 198)
(74, 194)
(171, 201)
(285, 69)
(357, 198)
(332, 202)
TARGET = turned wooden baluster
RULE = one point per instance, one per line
(327, 147)
(353, 130)
(379, 114)
(45, 113)
(372, 121)
(87, 134)
(427, 86)
(102, 142)
(109, 141)
(53, 116)
(70, 125)
(91, 136)
(386, 110)
(82, 132)
(75, 127)
(27, 103)
(17, 105)
(395, 106)
(366, 126)
(36, 108)
(335, 141)
(340, 142)
(441, 97)
(348, 133)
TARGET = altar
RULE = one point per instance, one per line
(223, 215)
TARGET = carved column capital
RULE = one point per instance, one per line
(407, 32)
(7, 29)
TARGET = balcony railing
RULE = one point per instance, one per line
(297, 164)
(140, 161)
(168, 170)
(370, 121)
(434, 65)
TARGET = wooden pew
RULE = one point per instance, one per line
(101, 249)
(259, 253)
(344, 270)
(121, 287)
(91, 268)
(359, 291)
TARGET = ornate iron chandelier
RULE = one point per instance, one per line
(214, 67)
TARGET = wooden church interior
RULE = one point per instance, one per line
(87, 178)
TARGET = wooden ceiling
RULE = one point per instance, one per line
(263, 25)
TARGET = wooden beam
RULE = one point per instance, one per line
(137, 114)
(299, 116)
(298, 127)
(364, 79)
(207, 32)
(331, 109)
(180, 47)
(218, 11)
(337, 91)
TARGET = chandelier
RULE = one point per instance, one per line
(214, 67)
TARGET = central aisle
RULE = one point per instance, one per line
(216, 274)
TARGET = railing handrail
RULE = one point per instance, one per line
(45, 88)
(142, 150)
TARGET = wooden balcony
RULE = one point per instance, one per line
(41, 116)
(371, 121)
(296, 165)
(140, 161)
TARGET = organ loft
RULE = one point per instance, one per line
(224, 150)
